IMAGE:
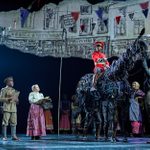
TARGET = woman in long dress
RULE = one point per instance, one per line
(135, 111)
(47, 106)
(36, 120)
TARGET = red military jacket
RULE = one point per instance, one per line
(100, 60)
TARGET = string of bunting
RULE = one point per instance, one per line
(100, 13)
(145, 9)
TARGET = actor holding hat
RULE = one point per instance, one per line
(9, 97)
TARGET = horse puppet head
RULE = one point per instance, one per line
(140, 45)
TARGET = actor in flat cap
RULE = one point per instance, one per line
(9, 97)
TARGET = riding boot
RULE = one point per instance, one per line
(105, 132)
(4, 133)
(85, 132)
(73, 129)
(98, 128)
(111, 133)
(115, 139)
(13, 133)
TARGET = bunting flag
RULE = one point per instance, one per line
(75, 15)
(118, 19)
(23, 15)
(131, 15)
(93, 25)
(99, 12)
(145, 12)
(106, 22)
(71, 29)
(144, 5)
(145, 9)
(82, 26)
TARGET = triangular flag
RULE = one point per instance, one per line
(145, 12)
(106, 22)
(131, 16)
(82, 26)
(93, 25)
(23, 15)
(118, 19)
(144, 5)
(71, 29)
(75, 15)
(99, 12)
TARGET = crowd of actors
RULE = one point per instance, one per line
(40, 117)
(112, 115)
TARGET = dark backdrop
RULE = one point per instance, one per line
(28, 69)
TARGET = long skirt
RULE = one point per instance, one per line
(65, 122)
(36, 121)
(136, 127)
(48, 120)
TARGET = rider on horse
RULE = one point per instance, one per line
(100, 60)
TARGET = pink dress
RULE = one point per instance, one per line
(36, 119)
(65, 121)
(65, 113)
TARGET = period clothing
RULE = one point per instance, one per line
(48, 115)
(135, 113)
(48, 119)
(100, 60)
(47, 106)
(65, 113)
(9, 108)
(9, 98)
(36, 119)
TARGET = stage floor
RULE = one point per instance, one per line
(70, 142)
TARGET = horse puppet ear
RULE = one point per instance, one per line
(143, 44)
(140, 44)
(141, 33)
